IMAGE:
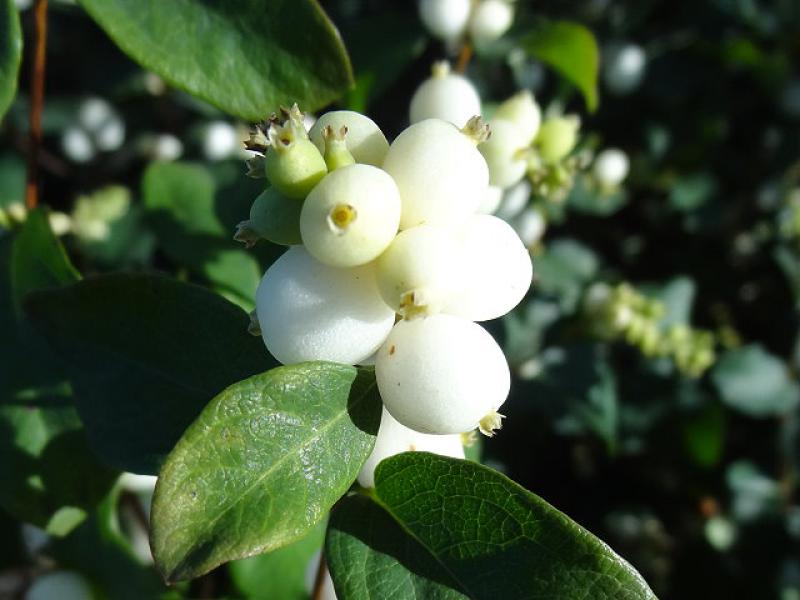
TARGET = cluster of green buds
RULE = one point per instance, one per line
(552, 165)
(621, 312)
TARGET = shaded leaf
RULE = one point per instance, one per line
(244, 58)
(146, 354)
(571, 49)
(370, 556)
(10, 53)
(497, 539)
(262, 465)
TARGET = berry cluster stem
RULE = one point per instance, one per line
(36, 103)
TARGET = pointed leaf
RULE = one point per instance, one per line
(10, 53)
(262, 465)
(497, 539)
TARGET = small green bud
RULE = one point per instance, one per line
(557, 137)
(273, 217)
(292, 163)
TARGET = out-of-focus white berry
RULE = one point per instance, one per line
(419, 270)
(530, 226)
(394, 438)
(442, 375)
(624, 67)
(61, 585)
(310, 311)
(441, 175)
(110, 135)
(77, 145)
(496, 267)
(515, 199)
(491, 200)
(220, 140)
(557, 137)
(490, 20)
(364, 138)
(523, 111)
(445, 19)
(351, 216)
(447, 96)
(23, 4)
(93, 113)
(505, 153)
(34, 538)
(166, 146)
(60, 222)
(611, 167)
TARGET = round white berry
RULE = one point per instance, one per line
(530, 226)
(624, 67)
(611, 167)
(515, 199)
(522, 110)
(445, 19)
(220, 140)
(505, 153)
(394, 438)
(440, 173)
(447, 96)
(491, 200)
(364, 138)
(497, 270)
(419, 270)
(77, 145)
(490, 20)
(310, 311)
(442, 374)
(351, 216)
(64, 585)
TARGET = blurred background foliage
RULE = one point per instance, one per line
(692, 478)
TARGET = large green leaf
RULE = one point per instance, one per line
(571, 49)
(370, 556)
(10, 53)
(146, 354)
(262, 465)
(42, 449)
(282, 573)
(246, 58)
(495, 538)
(180, 201)
(755, 382)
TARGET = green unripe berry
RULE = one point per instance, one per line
(557, 138)
(292, 163)
(336, 152)
(273, 217)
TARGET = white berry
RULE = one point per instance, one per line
(447, 96)
(522, 110)
(515, 199)
(419, 270)
(611, 167)
(498, 270)
(505, 153)
(490, 20)
(440, 173)
(491, 200)
(394, 438)
(364, 138)
(624, 68)
(442, 375)
(445, 19)
(530, 226)
(351, 216)
(310, 311)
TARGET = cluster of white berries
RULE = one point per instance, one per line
(390, 263)
(483, 21)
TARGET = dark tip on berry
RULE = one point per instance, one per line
(392, 349)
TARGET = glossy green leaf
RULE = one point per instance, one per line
(571, 49)
(180, 202)
(370, 556)
(42, 448)
(282, 573)
(497, 539)
(755, 382)
(146, 354)
(246, 58)
(262, 465)
(10, 53)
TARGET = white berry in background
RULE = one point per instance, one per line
(623, 67)
(611, 167)
(351, 216)
(59, 585)
(497, 269)
(445, 19)
(442, 375)
(310, 311)
(530, 226)
(490, 20)
(515, 199)
(441, 175)
(506, 154)
(491, 200)
(394, 438)
(93, 113)
(220, 140)
(523, 111)
(447, 96)
(419, 270)
(364, 139)
(77, 145)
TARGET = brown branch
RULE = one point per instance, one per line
(37, 102)
(319, 580)
(464, 56)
